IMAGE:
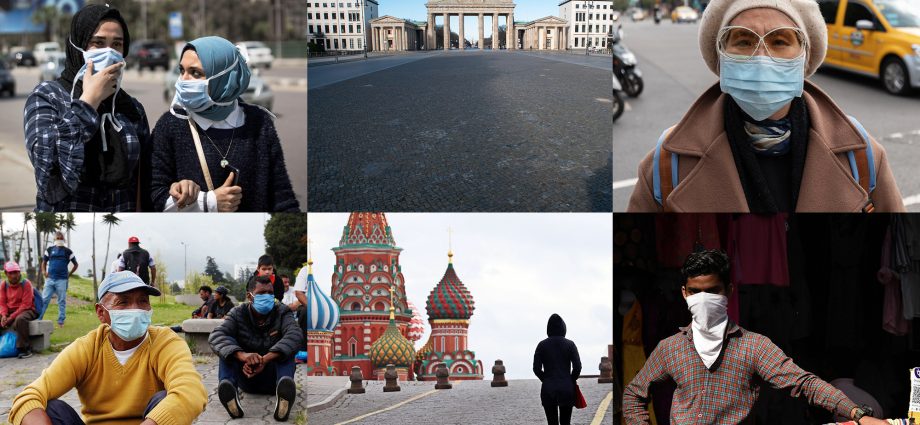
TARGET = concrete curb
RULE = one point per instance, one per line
(315, 407)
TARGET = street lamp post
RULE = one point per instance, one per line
(185, 261)
(588, 5)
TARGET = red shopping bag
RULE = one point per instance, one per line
(580, 402)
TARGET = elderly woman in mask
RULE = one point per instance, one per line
(764, 139)
(85, 135)
(211, 151)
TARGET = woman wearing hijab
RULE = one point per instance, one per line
(86, 136)
(764, 139)
(558, 366)
(211, 151)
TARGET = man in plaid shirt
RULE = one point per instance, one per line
(714, 362)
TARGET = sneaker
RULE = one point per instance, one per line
(25, 354)
(60, 325)
(228, 396)
(285, 394)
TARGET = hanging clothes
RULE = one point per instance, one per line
(893, 320)
(633, 352)
(757, 247)
(906, 247)
(678, 235)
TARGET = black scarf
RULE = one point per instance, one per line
(100, 167)
(756, 191)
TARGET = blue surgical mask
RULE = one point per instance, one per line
(129, 324)
(193, 95)
(761, 86)
(101, 59)
(263, 303)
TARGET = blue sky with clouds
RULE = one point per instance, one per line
(525, 10)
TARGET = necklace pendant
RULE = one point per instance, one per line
(223, 163)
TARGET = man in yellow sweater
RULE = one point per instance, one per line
(125, 371)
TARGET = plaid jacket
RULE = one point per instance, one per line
(726, 393)
(56, 129)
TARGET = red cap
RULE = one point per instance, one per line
(133, 239)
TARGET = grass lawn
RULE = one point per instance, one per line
(81, 311)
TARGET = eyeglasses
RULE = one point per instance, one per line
(780, 44)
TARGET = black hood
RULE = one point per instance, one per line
(555, 326)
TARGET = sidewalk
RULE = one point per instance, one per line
(323, 391)
(17, 176)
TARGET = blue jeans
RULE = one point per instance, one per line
(59, 287)
(263, 383)
(62, 414)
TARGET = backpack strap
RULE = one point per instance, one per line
(664, 162)
(862, 165)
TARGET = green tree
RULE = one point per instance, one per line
(161, 282)
(286, 240)
(213, 271)
(47, 16)
(196, 280)
(45, 224)
(175, 289)
(109, 220)
(67, 222)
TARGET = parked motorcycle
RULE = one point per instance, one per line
(618, 104)
(625, 66)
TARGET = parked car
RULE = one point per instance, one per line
(148, 54)
(52, 69)
(7, 81)
(259, 54)
(258, 92)
(22, 56)
(878, 38)
(42, 50)
(637, 15)
(683, 14)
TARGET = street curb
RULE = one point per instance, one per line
(315, 407)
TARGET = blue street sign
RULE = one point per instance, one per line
(175, 25)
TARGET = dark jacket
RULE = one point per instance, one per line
(239, 332)
(551, 363)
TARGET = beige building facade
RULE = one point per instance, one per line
(549, 33)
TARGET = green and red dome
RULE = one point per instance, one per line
(450, 299)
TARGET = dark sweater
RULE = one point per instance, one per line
(256, 152)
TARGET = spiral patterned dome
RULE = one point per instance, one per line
(392, 348)
(417, 325)
(322, 311)
(450, 299)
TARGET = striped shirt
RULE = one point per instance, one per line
(56, 129)
(724, 394)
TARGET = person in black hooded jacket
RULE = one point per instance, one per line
(558, 366)
(88, 139)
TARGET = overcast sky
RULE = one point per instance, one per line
(524, 10)
(520, 269)
(229, 238)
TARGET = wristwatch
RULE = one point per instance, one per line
(858, 414)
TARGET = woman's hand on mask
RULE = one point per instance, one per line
(228, 196)
(98, 86)
(185, 192)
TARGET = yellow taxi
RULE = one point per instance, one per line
(879, 38)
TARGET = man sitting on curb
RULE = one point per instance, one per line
(17, 307)
(125, 371)
(256, 344)
(221, 305)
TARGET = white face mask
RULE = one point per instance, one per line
(59, 242)
(708, 309)
(101, 59)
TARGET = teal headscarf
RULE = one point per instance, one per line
(218, 54)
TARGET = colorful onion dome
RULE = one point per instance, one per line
(416, 325)
(367, 228)
(450, 299)
(425, 350)
(322, 311)
(392, 347)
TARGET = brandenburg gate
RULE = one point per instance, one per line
(480, 8)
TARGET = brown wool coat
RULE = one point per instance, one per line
(709, 182)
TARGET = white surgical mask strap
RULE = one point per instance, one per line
(219, 74)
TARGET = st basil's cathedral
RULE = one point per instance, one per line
(368, 322)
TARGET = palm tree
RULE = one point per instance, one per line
(6, 255)
(95, 282)
(109, 220)
(26, 218)
(67, 222)
(45, 224)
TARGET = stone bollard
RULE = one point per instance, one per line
(606, 371)
(499, 374)
(442, 374)
(355, 378)
(391, 378)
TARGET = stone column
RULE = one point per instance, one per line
(373, 39)
(447, 31)
(431, 40)
(495, 31)
(555, 38)
(541, 37)
(461, 45)
(482, 32)
(510, 33)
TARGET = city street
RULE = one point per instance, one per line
(461, 131)
(675, 75)
(287, 81)
(468, 402)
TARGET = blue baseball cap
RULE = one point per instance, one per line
(120, 282)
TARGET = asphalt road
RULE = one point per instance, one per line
(675, 76)
(460, 131)
(287, 82)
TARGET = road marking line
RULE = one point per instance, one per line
(395, 406)
(602, 409)
(623, 184)
(911, 200)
